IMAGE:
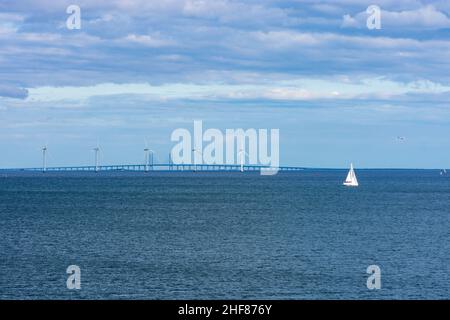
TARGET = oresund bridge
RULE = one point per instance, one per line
(158, 167)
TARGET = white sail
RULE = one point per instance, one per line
(351, 180)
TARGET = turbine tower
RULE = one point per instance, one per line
(44, 158)
(151, 158)
(97, 150)
(146, 159)
(242, 155)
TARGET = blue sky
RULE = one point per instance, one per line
(137, 70)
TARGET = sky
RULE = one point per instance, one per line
(135, 71)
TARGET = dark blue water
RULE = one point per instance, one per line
(241, 236)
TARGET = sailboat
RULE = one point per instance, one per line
(351, 180)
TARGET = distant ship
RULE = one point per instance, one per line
(443, 172)
(351, 180)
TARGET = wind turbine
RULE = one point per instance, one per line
(147, 158)
(242, 155)
(44, 158)
(146, 151)
(97, 150)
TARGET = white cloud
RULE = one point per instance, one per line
(288, 94)
(203, 8)
(304, 89)
(287, 39)
(9, 23)
(349, 21)
(153, 41)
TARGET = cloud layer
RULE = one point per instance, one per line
(178, 60)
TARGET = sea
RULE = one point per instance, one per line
(225, 235)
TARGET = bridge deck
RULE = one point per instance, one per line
(159, 167)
